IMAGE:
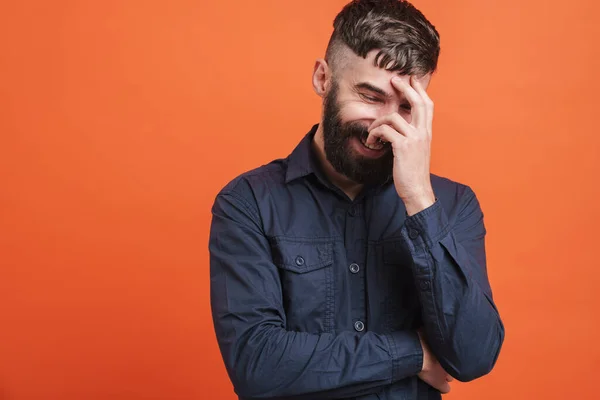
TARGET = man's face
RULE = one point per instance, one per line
(359, 95)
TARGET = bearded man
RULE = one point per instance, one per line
(347, 269)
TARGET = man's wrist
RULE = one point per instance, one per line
(419, 203)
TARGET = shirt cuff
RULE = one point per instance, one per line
(425, 228)
(407, 354)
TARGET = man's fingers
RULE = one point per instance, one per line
(416, 84)
(395, 121)
(449, 378)
(385, 133)
(444, 387)
(417, 103)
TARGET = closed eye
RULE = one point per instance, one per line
(370, 99)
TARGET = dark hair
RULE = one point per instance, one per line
(407, 42)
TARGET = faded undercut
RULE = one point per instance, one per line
(406, 41)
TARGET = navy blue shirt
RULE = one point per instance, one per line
(317, 296)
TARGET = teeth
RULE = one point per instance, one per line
(374, 146)
(378, 145)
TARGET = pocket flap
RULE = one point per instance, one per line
(301, 256)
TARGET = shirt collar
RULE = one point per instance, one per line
(302, 161)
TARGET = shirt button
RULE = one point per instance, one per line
(354, 268)
(413, 233)
(359, 326)
(424, 285)
(352, 211)
(299, 261)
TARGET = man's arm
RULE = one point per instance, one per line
(462, 324)
(265, 360)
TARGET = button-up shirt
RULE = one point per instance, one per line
(318, 296)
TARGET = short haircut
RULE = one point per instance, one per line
(407, 42)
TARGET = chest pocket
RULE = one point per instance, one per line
(402, 307)
(306, 272)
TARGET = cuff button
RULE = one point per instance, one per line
(413, 233)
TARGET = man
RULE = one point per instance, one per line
(347, 270)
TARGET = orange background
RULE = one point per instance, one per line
(120, 121)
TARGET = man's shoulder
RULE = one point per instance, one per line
(447, 184)
(451, 189)
(456, 196)
(261, 179)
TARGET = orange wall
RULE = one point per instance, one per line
(120, 120)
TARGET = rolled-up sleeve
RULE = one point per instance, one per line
(462, 324)
(263, 358)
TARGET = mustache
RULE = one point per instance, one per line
(356, 129)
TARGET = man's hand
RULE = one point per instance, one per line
(411, 144)
(432, 372)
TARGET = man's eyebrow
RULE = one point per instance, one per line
(373, 88)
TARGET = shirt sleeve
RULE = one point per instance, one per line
(461, 322)
(262, 358)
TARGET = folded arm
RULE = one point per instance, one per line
(461, 321)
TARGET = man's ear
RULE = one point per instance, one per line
(321, 77)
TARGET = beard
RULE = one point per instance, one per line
(337, 135)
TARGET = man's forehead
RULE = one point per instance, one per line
(357, 65)
(358, 70)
